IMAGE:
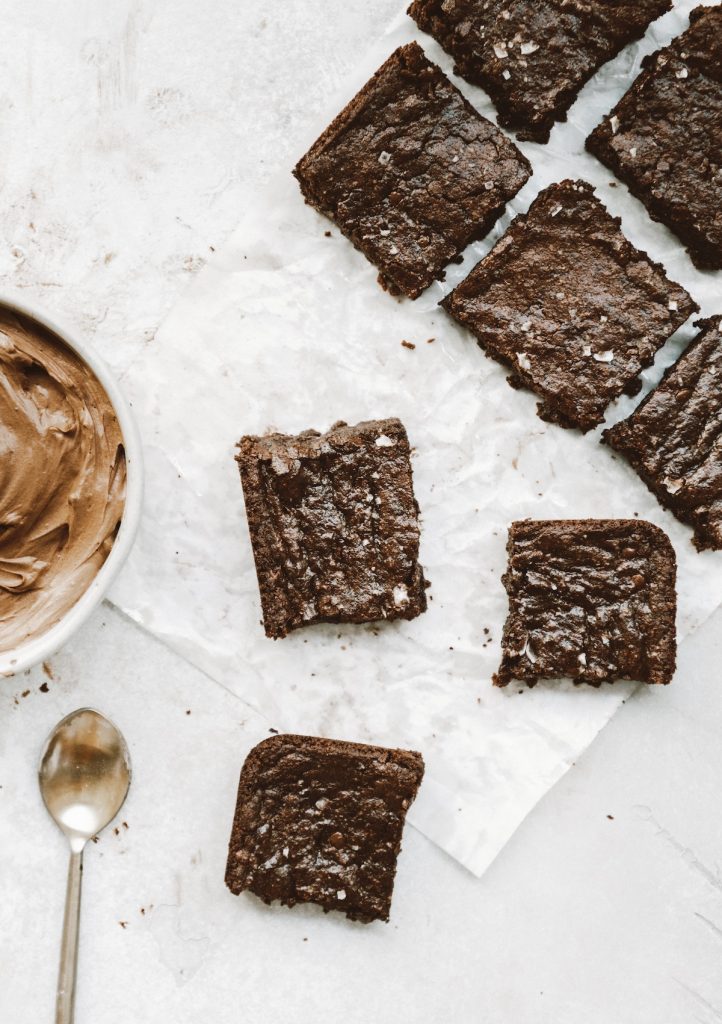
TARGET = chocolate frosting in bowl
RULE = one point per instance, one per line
(62, 478)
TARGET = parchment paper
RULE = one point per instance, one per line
(288, 329)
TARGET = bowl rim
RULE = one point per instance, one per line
(39, 648)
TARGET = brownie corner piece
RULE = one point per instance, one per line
(320, 821)
(411, 173)
(592, 600)
(673, 439)
(334, 525)
(570, 305)
(662, 138)
(534, 56)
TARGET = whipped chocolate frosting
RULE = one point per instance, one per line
(62, 478)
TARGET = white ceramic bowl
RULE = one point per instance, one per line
(40, 648)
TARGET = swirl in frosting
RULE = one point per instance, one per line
(62, 478)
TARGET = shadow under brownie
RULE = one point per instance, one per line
(674, 438)
(334, 525)
(664, 137)
(570, 305)
(411, 173)
(534, 56)
(593, 600)
(320, 821)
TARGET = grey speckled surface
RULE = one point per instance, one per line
(133, 134)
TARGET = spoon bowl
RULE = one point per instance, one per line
(84, 777)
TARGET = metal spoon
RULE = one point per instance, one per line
(84, 777)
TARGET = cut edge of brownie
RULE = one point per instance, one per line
(660, 643)
(552, 408)
(249, 453)
(619, 438)
(409, 52)
(703, 254)
(243, 824)
(510, 116)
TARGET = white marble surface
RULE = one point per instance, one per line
(133, 134)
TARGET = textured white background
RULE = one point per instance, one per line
(134, 135)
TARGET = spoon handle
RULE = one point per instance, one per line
(65, 1003)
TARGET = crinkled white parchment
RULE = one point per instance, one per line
(288, 329)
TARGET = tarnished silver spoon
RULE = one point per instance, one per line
(84, 777)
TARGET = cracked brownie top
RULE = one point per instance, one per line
(570, 305)
(320, 821)
(334, 525)
(533, 56)
(593, 600)
(410, 172)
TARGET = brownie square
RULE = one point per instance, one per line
(590, 599)
(664, 137)
(411, 173)
(674, 438)
(334, 525)
(570, 305)
(320, 821)
(534, 56)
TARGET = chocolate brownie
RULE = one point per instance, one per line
(411, 173)
(320, 821)
(589, 599)
(664, 137)
(534, 56)
(570, 305)
(334, 525)
(674, 438)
